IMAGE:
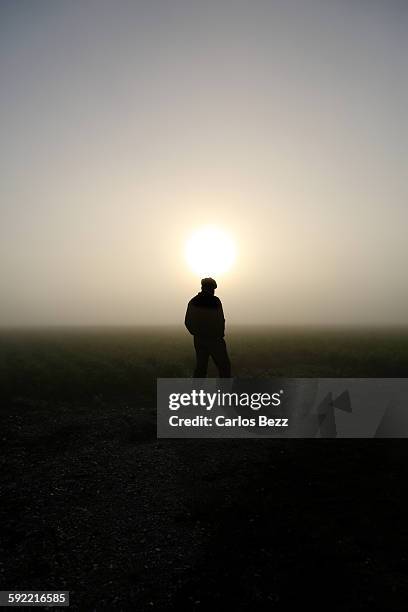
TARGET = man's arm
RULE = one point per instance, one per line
(188, 319)
(221, 319)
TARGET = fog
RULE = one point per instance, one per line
(127, 125)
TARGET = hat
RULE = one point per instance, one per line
(208, 283)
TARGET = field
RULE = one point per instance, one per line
(93, 503)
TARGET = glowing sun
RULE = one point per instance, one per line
(210, 251)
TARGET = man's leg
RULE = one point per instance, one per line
(202, 355)
(220, 355)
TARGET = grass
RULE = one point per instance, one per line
(77, 363)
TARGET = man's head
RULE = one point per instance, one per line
(208, 285)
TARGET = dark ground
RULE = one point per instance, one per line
(93, 503)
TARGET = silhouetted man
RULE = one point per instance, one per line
(205, 321)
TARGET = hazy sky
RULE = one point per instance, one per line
(126, 125)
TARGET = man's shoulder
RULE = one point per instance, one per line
(205, 301)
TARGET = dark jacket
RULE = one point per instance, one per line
(205, 317)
